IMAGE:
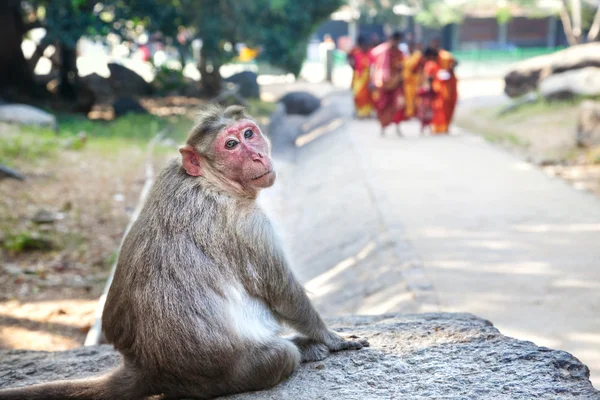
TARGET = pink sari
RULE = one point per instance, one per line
(388, 95)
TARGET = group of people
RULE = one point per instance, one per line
(400, 81)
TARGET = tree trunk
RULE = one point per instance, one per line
(15, 72)
(68, 75)
(576, 18)
(210, 77)
(595, 28)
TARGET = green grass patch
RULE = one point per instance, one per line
(27, 241)
(26, 147)
(28, 143)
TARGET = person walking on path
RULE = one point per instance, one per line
(440, 70)
(388, 93)
(412, 76)
(360, 61)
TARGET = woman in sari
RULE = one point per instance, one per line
(411, 76)
(426, 95)
(440, 70)
(388, 95)
(360, 61)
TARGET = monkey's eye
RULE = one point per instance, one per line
(248, 134)
(230, 144)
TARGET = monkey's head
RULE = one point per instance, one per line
(228, 148)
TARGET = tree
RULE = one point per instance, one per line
(15, 73)
(281, 27)
(577, 16)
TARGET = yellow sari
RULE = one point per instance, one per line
(412, 78)
(360, 83)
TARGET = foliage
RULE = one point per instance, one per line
(16, 146)
(280, 27)
(287, 28)
(26, 241)
(436, 13)
(167, 79)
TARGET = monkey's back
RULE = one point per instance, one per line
(175, 280)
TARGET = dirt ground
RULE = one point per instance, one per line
(60, 230)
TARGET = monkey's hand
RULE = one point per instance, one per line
(335, 342)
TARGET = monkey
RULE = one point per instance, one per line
(202, 286)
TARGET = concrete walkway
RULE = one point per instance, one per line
(496, 236)
(467, 228)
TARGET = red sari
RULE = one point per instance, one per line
(361, 65)
(444, 86)
(388, 95)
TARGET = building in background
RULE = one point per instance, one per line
(479, 30)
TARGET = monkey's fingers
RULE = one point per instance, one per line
(364, 342)
(350, 345)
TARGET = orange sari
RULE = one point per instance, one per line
(411, 79)
(363, 102)
(445, 87)
(388, 95)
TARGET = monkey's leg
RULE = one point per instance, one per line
(265, 365)
(310, 350)
(260, 366)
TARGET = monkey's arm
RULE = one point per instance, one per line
(288, 299)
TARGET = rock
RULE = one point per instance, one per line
(100, 86)
(230, 96)
(525, 75)
(514, 105)
(577, 82)
(588, 124)
(126, 82)
(26, 115)
(302, 103)
(426, 356)
(6, 172)
(126, 105)
(13, 269)
(46, 217)
(247, 84)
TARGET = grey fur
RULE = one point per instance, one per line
(168, 308)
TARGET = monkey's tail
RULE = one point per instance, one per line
(122, 383)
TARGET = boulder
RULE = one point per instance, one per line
(126, 105)
(425, 356)
(100, 86)
(588, 124)
(6, 172)
(525, 76)
(577, 82)
(126, 82)
(302, 103)
(26, 115)
(247, 84)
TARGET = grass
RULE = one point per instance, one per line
(543, 129)
(27, 241)
(30, 143)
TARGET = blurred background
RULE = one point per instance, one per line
(500, 218)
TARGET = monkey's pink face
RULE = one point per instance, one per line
(243, 155)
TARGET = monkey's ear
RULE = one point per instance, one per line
(191, 160)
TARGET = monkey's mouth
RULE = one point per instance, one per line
(263, 175)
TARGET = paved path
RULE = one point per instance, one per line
(496, 236)
(457, 225)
